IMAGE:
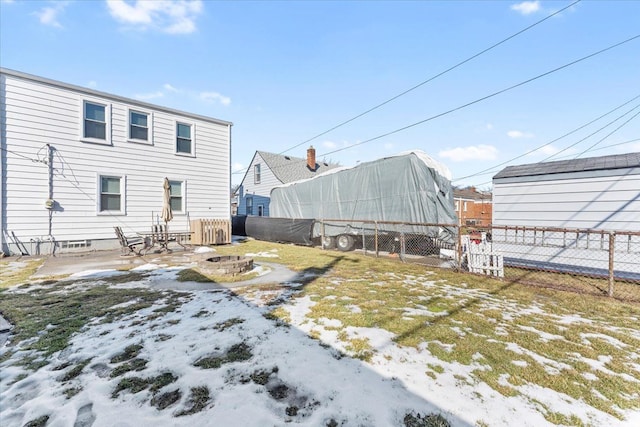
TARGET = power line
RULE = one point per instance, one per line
(608, 135)
(482, 172)
(593, 133)
(485, 97)
(433, 77)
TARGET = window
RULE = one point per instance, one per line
(184, 138)
(256, 174)
(138, 126)
(111, 199)
(464, 206)
(176, 196)
(249, 205)
(260, 210)
(95, 122)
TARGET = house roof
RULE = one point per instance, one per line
(616, 161)
(471, 193)
(92, 92)
(289, 169)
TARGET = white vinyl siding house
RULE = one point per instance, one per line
(567, 198)
(595, 193)
(77, 162)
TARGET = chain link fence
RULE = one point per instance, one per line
(597, 262)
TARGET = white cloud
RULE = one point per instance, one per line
(526, 7)
(170, 88)
(7, 1)
(473, 152)
(92, 84)
(519, 134)
(49, 15)
(389, 146)
(152, 95)
(489, 126)
(329, 145)
(237, 167)
(215, 96)
(169, 16)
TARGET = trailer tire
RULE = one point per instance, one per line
(328, 242)
(345, 242)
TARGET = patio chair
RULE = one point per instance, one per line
(128, 244)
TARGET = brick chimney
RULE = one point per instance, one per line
(311, 158)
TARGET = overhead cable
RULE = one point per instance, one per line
(432, 78)
(482, 172)
(484, 98)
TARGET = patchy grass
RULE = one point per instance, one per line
(17, 272)
(430, 420)
(519, 334)
(48, 315)
(132, 384)
(128, 353)
(132, 365)
(236, 353)
(222, 326)
(38, 422)
(197, 401)
(75, 371)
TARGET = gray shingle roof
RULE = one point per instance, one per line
(616, 161)
(289, 169)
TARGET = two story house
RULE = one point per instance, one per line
(473, 207)
(75, 162)
(268, 170)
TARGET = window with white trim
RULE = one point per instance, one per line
(176, 196)
(139, 126)
(184, 138)
(111, 194)
(95, 122)
(256, 174)
(249, 205)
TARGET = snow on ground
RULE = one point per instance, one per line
(285, 377)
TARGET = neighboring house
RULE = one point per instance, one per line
(563, 199)
(473, 207)
(268, 170)
(597, 192)
(77, 162)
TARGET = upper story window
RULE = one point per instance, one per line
(111, 194)
(176, 196)
(95, 122)
(256, 174)
(138, 126)
(184, 138)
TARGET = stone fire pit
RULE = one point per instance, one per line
(228, 264)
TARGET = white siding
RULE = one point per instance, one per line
(37, 113)
(261, 192)
(606, 202)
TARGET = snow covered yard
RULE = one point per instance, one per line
(355, 342)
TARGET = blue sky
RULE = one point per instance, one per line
(284, 72)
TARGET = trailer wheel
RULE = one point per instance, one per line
(328, 242)
(345, 242)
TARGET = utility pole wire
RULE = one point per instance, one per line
(609, 134)
(485, 97)
(482, 172)
(432, 78)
